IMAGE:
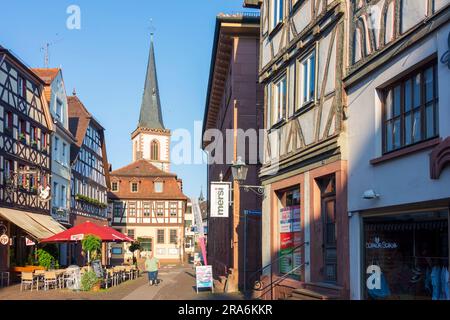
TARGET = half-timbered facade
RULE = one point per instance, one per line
(397, 87)
(148, 205)
(304, 167)
(25, 161)
(145, 199)
(90, 168)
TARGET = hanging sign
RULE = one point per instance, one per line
(4, 239)
(220, 196)
(29, 242)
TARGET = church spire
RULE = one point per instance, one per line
(151, 115)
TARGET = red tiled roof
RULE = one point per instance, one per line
(141, 168)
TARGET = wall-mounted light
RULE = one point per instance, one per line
(370, 194)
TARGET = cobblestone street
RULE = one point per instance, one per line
(177, 283)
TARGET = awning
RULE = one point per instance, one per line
(38, 226)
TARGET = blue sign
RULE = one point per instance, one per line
(253, 212)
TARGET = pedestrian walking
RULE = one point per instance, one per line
(151, 266)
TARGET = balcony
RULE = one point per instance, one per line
(60, 214)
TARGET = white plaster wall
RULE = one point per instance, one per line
(355, 256)
(144, 142)
(406, 179)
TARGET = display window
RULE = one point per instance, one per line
(406, 256)
(290, 237)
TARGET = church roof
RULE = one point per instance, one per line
(151, 115)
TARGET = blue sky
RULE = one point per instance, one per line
(106, 60)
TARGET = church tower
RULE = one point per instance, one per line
(151, 140)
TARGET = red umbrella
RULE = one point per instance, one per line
(78, 232)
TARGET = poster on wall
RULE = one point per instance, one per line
(290, 238)
(220, 194)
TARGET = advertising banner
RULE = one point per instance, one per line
(290, 238)
(220, 194)
(204, 277)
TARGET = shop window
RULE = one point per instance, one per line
(408, 254)
(290, 233)
(116, 250)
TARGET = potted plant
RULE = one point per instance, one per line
(89, 281)
(22, 137)
(134, 247)
(34, 143)
(92, 246)
(47, 257)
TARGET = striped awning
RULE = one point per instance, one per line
(38, 226)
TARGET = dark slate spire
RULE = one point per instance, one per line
(151, 115)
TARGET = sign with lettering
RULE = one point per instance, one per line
(77, 237)
(204, 277)
(97, 266)
(29, 242)
(4, 239)
(220, 195)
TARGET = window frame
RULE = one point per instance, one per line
(112, 186)
(434, 102)
(158, 236)
(171, 231)
(301, 102)
(133, 184)
(158, 183)
(277, 113)
(276, 18)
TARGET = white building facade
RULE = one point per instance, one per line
(398, 107)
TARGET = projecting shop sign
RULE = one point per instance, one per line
(220, 194)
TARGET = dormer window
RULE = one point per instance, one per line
(159, 186)
(115, 186)
(134, 187)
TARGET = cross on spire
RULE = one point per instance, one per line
(152, 29)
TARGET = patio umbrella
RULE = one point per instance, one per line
(77, 233)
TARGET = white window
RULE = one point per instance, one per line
(115, 186)
(159, 187)
(62, 197)
(277, 12)
(307, 79)
(55, 194)
(59, 113)
(55, 148)
(64, 153)
(279, 100)
(134, 187)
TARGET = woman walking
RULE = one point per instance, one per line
(151, 266)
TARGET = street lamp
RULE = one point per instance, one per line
(239, 171)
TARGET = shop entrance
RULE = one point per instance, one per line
(412, 253)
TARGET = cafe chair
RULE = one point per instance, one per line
(27, 280)
(50, 279)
